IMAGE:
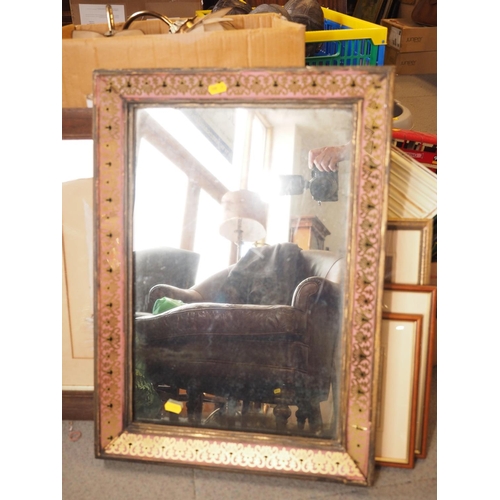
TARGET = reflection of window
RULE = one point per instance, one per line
(176, 189)
(258, 158)
(189, 129)
(265, 152)
(212, 247)
(160, 198)
(251, 140)
(188, 160)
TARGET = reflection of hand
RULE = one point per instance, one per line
(326, 159)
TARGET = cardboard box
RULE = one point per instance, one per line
(260, 41)
(170, 8)
(411, 63)
(406, 36)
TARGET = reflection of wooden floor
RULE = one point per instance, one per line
(259, 418)
(213, 413)
(210, 404)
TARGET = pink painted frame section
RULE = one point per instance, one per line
(370, 91)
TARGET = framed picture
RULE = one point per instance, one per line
(408, 251)
(180, 154)
(397, 410)
(77, 268)
(77, 296)
(417, 299)
(368, 10)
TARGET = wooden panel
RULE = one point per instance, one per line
(77, 123)
(78, 405)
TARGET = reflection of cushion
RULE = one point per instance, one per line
(273, 8)
(165, 304)
(238, 7)
(310, 14)
(306, 12)
(265, 275)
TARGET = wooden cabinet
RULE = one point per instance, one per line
(308, 232)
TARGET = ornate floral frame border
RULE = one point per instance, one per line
(371, 89)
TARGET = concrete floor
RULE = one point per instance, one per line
(87, 478)
(419, 94)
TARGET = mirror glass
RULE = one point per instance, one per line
(259, 195)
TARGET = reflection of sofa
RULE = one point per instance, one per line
(262, 350)
(162, 265)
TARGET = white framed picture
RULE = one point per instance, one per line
(417, 299)
(401, 336)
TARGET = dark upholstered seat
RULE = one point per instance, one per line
(280, 354)
(162, 265)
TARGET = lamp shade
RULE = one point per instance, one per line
(243, 216)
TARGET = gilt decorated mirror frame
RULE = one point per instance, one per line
(116, 94)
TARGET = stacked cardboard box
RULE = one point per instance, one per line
(257, 41)
(410, 47)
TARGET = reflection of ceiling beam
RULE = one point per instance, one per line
(154, 133)
(217, 141)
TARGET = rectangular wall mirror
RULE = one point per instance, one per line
(240, 237)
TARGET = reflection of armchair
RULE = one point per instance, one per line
(162, 265)
(264, 352)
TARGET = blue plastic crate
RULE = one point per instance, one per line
(365, 48)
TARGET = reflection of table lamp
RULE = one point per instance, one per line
(244, 217)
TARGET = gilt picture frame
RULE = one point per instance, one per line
(408, 251)
(369, 10)
(418, 299)
(397, 411)
(368, 93)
